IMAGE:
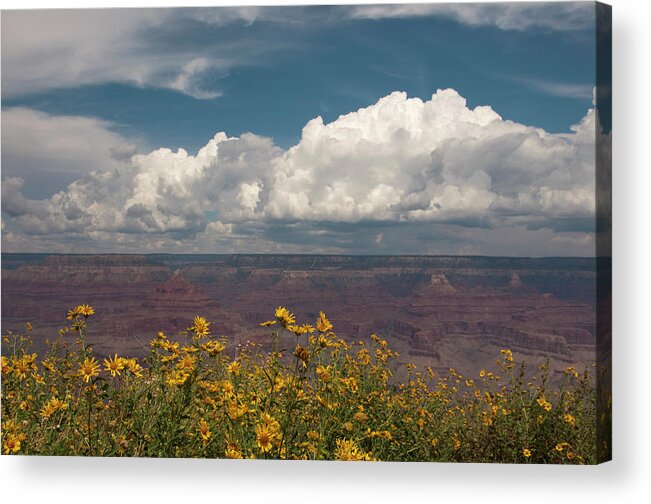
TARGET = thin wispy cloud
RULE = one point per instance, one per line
(562, 89)
(561, 16)
(56, 49)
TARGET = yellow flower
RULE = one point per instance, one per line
(74, 313)
(351, 383)
(279, 382)
(201, 327)
(88, 369)
(284, 316)
(544, 403)
(324, 373)
(6, 368)
(236, 411)
(114, 365)
(47, 410)
(302, 353)
(307, 328)
(360, 417)
(204, 431)
(233, 453)
(297, 330)
(322, 323)
(569, 419)
(86, 310)
(52, 406)
(526, 452)
(11, 445)
(177, 377)
(508, 355)
(213, 347)
(134, 367)
(234, 367)
(171, 347)
(265, 437)
(187, 363)
(268, 323)
(347, 450)
(22, 367)
(78, 324)
(561, 446)
(270, 421)
(571, 371)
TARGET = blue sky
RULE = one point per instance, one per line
(90, 89)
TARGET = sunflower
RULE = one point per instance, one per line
(270, 422)
(114, 365)
(233, 453)
(349, 451)
(200, 327)
(213, 347)
(322, 323)
(134, 368)
(204, 431)
(11, 445)
(88, 369)
(266, 436)
(6, 368)
(86, 310)
(284, 316)
(187, 363)
(74, 313)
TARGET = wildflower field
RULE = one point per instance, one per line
(312, 396)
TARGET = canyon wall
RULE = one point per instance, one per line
(441, 311)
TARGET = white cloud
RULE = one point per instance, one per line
(400, 162)
(50, 49)
(35, 144)
(518, 16)
(563, 89)
(188, 81)
(404, 159)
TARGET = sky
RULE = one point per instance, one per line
(375, 129)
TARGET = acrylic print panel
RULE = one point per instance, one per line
(374, 233)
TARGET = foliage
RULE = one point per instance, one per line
(311, 396)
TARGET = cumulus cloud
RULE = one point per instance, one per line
(400, 169)
(407, 160)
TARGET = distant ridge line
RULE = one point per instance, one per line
(312, 261)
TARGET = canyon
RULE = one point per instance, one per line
(437, 311)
